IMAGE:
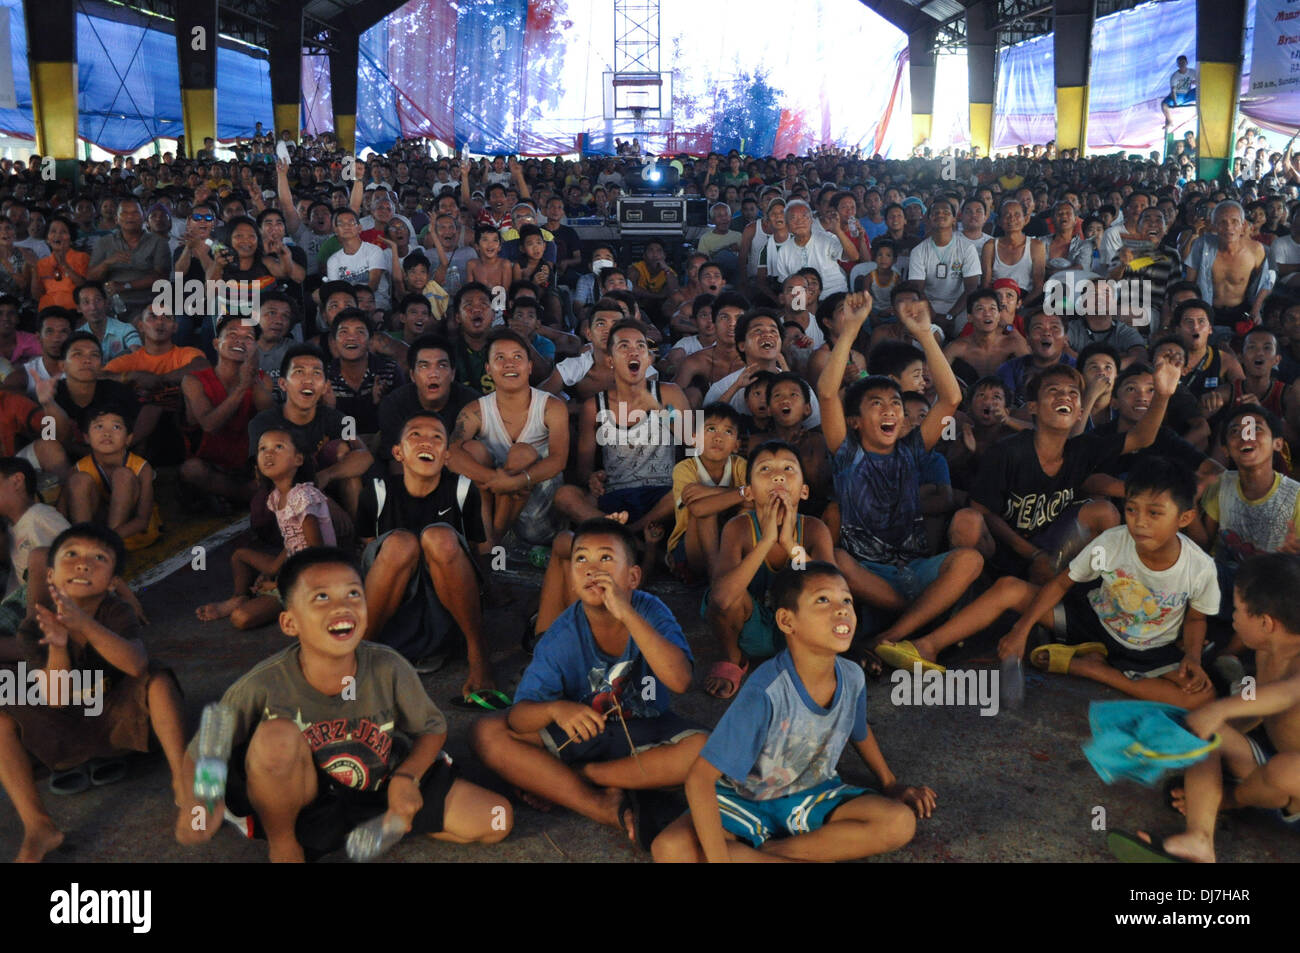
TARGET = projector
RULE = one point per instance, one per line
(661, 215)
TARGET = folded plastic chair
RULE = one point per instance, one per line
(1141, 740)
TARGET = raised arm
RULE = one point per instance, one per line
(857, 308)
(283, 194)
(915, 317)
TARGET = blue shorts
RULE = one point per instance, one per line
(756, 821)
(912, 579)
(637, 500)
(1182, 99)
(760, 638)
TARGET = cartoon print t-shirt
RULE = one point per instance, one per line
(1140, 607)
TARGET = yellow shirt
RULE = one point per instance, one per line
(691, 471)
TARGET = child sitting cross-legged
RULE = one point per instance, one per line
(334, 731)
(304, 517)
(706, 485)
(1130, 609)
(755, 545)
(112, 485)
(883, 549)
(766, 785)
(592, 722)
(78, 628)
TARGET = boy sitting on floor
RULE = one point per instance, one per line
(422, 583)
(770, 768)
(112, 485)
(755, 545)
(883, 549)
(1151, 588)
(1028, 485)
(334, 731)
(706, 486)
(80, 628)
(1261, 735)
(592, 719)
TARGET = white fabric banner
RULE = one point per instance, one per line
(1275, 56)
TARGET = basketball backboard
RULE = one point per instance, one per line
(637, 95)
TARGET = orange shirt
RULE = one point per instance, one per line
(18, 415)
(141, 360)
(60, 293)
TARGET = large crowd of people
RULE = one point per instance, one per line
(874, 408)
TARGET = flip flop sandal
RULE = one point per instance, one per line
(489, 699)
(70, 782)
(730, 673)
(652, 811)
(1131, 849)
(104, 771)
(904, 655)
(1059, 655)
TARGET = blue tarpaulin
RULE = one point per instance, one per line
(128, 83)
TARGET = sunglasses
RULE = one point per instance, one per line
(203, 217)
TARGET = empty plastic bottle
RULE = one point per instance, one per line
(374, 838)
(216, 734)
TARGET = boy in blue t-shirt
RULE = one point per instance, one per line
(769, 768)
(592, 717)
(883, 551)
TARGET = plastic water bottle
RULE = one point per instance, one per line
(374, 838)
(216, 733)
(1012, 683)
(117, 304)
(453, 279)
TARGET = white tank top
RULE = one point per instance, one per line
(761, 235)
(498, 441)
(1021, 272)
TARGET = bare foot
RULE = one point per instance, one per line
(627, 820)
(193, 828)
(614, 798)
(1198, 848)
(39, 841)
(219, 610)
(923, 647)
(535, 801)
(1178, 799)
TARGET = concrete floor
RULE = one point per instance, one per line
(1012, 787)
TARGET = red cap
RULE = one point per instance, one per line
(1008, 283)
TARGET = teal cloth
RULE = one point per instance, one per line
(1140, 740)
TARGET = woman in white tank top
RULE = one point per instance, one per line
(1028, 270)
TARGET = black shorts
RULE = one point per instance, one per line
(1077, 623)
(324, 824)
(1052, 539)
(611, 744)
